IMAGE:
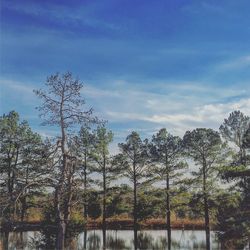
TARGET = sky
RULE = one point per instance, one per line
(145, 64)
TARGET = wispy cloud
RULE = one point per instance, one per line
(19, 96)
(235, 64)
(64, 15)
(210, 116)
(178, 107)
(16, 95)
(19, 87)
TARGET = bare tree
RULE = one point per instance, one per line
(62, 106)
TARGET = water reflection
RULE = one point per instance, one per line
(112, 240)
(146, 241)
(93, 241)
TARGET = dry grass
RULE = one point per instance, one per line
(126, 222)
(158, 223)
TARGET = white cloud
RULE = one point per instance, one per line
(182, 106)
(127, 106)
(208, 115)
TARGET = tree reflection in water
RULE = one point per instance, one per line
(230, 242)
(147, 241)
(45, 239)
(115, 240)
(114, 243)
(93, 241)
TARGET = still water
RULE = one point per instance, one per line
(115, 240)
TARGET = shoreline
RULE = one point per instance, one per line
(111, 224)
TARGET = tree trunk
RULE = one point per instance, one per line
(135, 197)
(10, 187)
(85, 239)
(104, 195)
(85, 188)
(24, 208)
(168, 212)
(207, 228)
(206, 209)
(24, 199)
(61, 227)
(5, 240)
(104, 239)
(61, 235)
(135, 239)
(69, 195)
(59, 190)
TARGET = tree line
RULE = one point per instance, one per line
(75, 170)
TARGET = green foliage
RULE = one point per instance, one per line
(49, 214)
(234, 130)
(149, 205)
(133, 160)
(101, 156)
(234, 127)
(234, 217)
(29, 165)
(166, 158)
(117, 202)
(232, 222)
(21, 165)
(133, 157)
(203, 143)
(94, 204)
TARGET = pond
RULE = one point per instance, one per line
(115, 240)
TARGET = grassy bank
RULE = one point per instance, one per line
(153, 223)
(116, 223)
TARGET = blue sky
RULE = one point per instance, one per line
(177, 64)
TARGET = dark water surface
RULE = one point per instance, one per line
(115, 240)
